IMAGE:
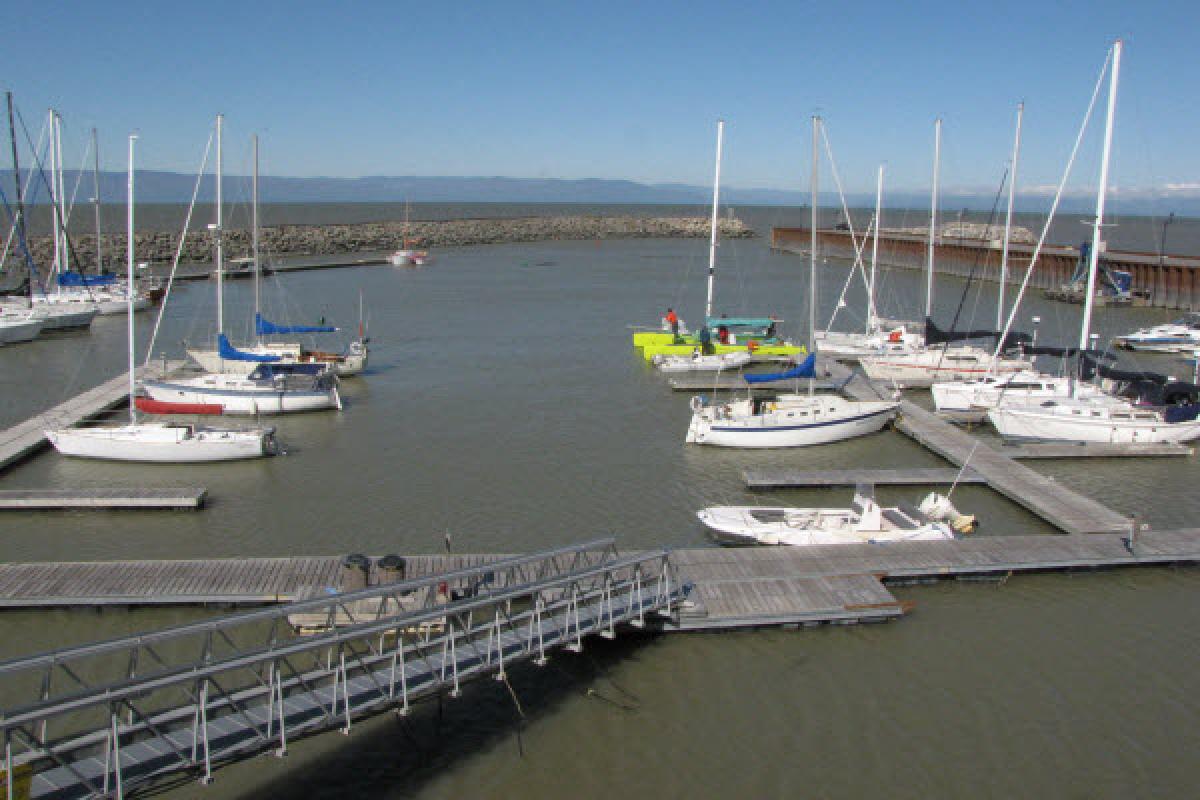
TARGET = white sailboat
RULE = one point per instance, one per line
(407, 255)
(865, 521)
(352, 361)
(271, 388)
(880, 334)
(1098, 419)
(158, 441)
(791, 420)
(918, 367)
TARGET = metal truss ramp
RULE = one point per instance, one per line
(99, 719)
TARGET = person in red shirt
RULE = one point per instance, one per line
(673, 320)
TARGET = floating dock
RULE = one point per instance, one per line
(77, 499)
(807, 479)
(1064, 508)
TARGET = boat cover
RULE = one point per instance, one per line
(230, 353)
(935, 335)
(1182, 413)
(805, 369)
(79, 279)
(264, 327)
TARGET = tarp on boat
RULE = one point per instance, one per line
(805, 369)
(264, 327)
(1090, 367)
(79, 279)
(230, 353)
(935, 335)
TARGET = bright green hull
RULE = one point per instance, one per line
(650, 351)
(643, 338)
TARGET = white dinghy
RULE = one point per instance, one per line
(698, 362)
(865, 521)
(158, 441)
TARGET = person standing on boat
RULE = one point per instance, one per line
(673, 320)
(706, 347)
(723, 334)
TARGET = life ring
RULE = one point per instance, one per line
(895, 336)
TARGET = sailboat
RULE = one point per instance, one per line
(227, 359)
(1100, 418)
(757, 334)
(790, 420)
(908, 367)
(407, 256)
(271, 388)
(879, 334)
(157, 441)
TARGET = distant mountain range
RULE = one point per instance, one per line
(173, 187)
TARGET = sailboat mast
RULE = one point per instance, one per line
(220, 250)
(933, 206)
(54, 196)
(254, 238)
(12, 139)
(96, 198)
(712, 237)
(1094, 261)
(871, 315)
(812, 244)
(132, 279)
(62, 194)
(1012, 193)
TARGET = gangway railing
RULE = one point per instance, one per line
(98, 719)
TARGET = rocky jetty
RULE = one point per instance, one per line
(971, 230)
(285, 241)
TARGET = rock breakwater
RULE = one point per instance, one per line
(285, 241)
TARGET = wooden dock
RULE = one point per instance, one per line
(1062, 507)
(26, 438)
(77, 499)
(732, 587)
(800, 479)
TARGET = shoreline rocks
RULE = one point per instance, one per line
(315, 240)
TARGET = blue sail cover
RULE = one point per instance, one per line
(230, 353)
(265, 327)
(805, 369)
(79, 279)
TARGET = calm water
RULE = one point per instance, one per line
(504, 406)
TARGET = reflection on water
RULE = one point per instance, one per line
(504, 405)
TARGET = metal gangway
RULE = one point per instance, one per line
(98, 719)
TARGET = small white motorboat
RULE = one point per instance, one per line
(699, 362)
(1179, 336)
(865, 522)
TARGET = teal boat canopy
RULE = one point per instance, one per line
(742, 323)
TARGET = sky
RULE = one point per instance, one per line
(617, 90)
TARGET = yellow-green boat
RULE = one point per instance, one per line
(686, 348)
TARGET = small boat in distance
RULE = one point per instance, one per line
(698, 362)
(1182, 335)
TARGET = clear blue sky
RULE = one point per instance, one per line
(613, 89)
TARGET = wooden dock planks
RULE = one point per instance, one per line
(792, 479)
(733, 586)
(77, 499)
(1062, 507)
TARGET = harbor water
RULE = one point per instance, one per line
(504, 408)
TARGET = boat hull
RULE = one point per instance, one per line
(783, 428)
(245, 401)
(1036, 425)
(161, 444)
(17, 331)
(922, 370)
(650, 351)
(344, 365)
(737, 526)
